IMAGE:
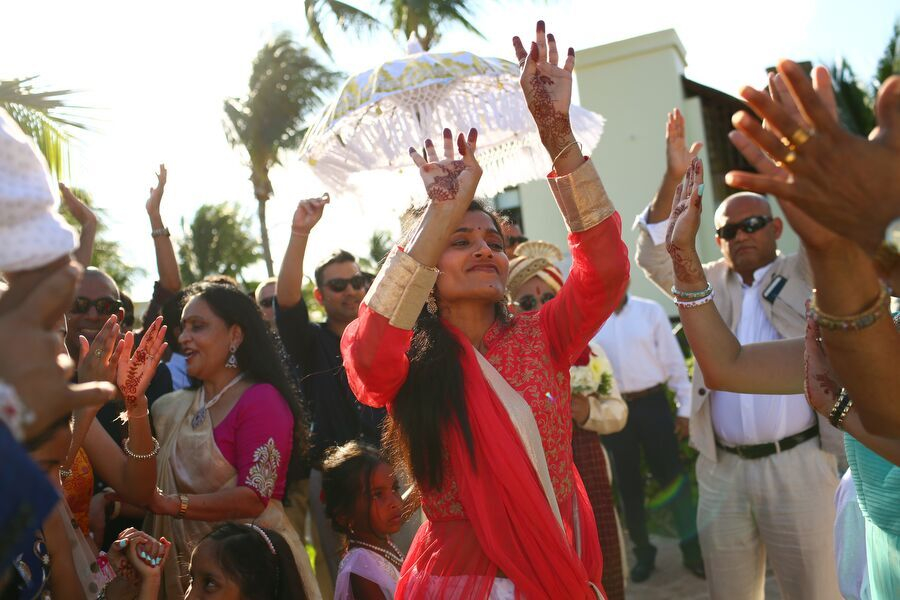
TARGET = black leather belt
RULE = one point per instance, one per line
(644, 393)
(763, 450)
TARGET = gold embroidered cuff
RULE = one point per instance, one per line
(400, 289)
(581, 198)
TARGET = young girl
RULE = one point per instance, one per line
(362, 499)
(235, 561)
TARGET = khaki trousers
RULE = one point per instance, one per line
(780, 507)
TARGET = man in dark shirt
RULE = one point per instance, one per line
(314, 348)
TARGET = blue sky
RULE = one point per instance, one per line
(158, 74)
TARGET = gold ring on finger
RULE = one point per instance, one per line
(800, 137)
(790, 157)
(98, 352)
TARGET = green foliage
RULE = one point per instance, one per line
(286, 85)
(426, 19)
(855, 99)
(219, 241)
(380, 245)
(44, 116)
(107, 254)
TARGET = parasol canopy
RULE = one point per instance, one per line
(364, 135)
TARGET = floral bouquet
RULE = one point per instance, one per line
(593, 378)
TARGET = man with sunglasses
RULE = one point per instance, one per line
(265, 299)
(314, 348)
(761, 295)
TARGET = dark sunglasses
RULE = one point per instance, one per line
(104, 306)
(359, 282)
(529, 302)
(748, 225)
(515, 240)
(267, 302)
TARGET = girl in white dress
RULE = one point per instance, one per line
(362, 499)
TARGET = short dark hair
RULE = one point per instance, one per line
(337, 257)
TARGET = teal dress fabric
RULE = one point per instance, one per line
(878, 489)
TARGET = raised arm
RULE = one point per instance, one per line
(651, 256)
(166, 263)
(375, 345)
(764, 368)
(288, 290)
(87, 220)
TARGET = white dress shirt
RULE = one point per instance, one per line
(744, 419)
(643, 352)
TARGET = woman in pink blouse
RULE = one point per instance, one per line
(480, 401)
(226, 447)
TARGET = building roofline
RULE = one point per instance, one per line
(629, 47)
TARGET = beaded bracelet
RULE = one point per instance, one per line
(692, 295)
(695, 303)
(854, 322)
(151, 454)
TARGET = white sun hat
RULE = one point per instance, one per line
(32, 233)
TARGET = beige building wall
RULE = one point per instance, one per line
(633, 83)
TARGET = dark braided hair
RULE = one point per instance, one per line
(431, 398)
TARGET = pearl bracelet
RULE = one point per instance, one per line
(149, 455)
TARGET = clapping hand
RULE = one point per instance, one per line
(548, 89)
(678, 157)
(684, 222)
(98, 360)
(79, 210)
(308, 214)
(156, 193)
(814, 235)
(450, 182)
(135, 371)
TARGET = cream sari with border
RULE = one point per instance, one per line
(189, 462)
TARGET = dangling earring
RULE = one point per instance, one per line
(431, 304)
(503, 311)
(231, 363)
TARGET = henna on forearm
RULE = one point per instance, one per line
(686, 266)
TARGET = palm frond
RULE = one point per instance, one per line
(347, 17)
(889, 63)
(855, 105)
(45, 116)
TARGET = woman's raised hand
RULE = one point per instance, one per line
(450, 181)
(156, 193)
(684, 222)
(135, 371)
(99, 360)
(678, 157)
(548, 90)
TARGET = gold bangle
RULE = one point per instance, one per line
(182, 509)
(853, 322)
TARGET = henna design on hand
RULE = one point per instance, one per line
(828, 385)
(445, 187)
(133, 378)
(687, 268)
(553, 126)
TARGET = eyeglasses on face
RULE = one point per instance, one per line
(748, 225)
(267, 302)
(529, 302)
(104, 305)
(361, 281)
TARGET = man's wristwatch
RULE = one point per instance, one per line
(888, 253)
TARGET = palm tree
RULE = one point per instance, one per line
(856, 100)
(285, 86)
(43, 115)
(426, 19)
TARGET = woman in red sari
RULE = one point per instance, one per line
(479, 401)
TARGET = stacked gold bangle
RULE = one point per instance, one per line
(856, 322)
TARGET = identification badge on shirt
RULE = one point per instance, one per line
(771, 292)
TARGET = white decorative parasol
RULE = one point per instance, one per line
(364, 135)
